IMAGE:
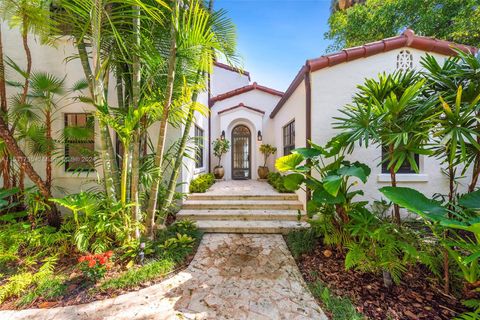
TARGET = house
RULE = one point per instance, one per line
(249, 114)
(326, 84)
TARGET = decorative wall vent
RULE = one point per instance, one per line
(404, 60)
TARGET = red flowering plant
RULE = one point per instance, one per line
(95, 266)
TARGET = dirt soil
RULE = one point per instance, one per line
(417, 297)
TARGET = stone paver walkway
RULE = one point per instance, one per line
(241, 188)
(232, 276)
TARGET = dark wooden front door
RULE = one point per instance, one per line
(241, 149)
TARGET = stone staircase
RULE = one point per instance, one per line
(244, 213)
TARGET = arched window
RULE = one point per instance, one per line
(404, 60)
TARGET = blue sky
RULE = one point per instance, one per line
(275, 37)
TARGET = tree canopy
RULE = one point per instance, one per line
(453, 20)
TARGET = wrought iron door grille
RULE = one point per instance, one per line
(241, 146)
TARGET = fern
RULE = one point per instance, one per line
(16, 285)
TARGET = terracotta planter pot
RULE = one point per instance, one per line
(218, 172)
(263, 172)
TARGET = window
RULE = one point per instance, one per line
(199, 147)
(404, 60)
(289, 138)
(79, 142)
(405, 168)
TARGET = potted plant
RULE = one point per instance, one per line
(267, 150)
(220, 147)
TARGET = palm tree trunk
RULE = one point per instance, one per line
(29, 59)
(48, 169)
(23, 98)
(124, 180)
(393, 179)
(136, 82)
(110, 169)
(476, 167)
(14, 149)
(172, 184)
(4, 113)
(172, 61)
(87, 70)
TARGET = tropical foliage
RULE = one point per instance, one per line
(433, 113)
(144, 63)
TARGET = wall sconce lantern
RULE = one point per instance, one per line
(259, 136)
(222, 137)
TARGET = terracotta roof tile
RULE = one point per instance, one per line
(233, 69)
(244, 89)
(241, 105)
(406, 39)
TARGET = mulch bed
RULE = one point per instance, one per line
(417, 297)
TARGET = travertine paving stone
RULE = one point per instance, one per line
(241, 187)
(233, 276)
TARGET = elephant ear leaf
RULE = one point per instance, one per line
(308, 153)
(332, 184)
(289, 163)
(470, 200)
(293, 181)
(416, 202)
(357, 169)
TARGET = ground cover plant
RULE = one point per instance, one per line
(276, 180)
(425, 266)
(41, 267)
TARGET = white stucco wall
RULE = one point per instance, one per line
(293, 109)
(334, 87)
(223, 80)
(189, 170)
(53, 60)
(254, 120)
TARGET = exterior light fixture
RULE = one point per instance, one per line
(259, 136)
(222, 137)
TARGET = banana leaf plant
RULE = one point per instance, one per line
(326, 173)
(463, 223)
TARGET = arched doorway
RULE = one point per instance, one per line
(241, 152)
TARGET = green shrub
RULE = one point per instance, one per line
(177, 241)
(171, 248)
(276, 180)
(202, 183)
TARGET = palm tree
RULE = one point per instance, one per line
(455, 90)
(29, 17)
(445, 80)
(223, 42)
(389, 113)
(195, 39)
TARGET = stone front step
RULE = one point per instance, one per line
(257, 226)
(242, 204)
(241, 215)
(206, 196)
